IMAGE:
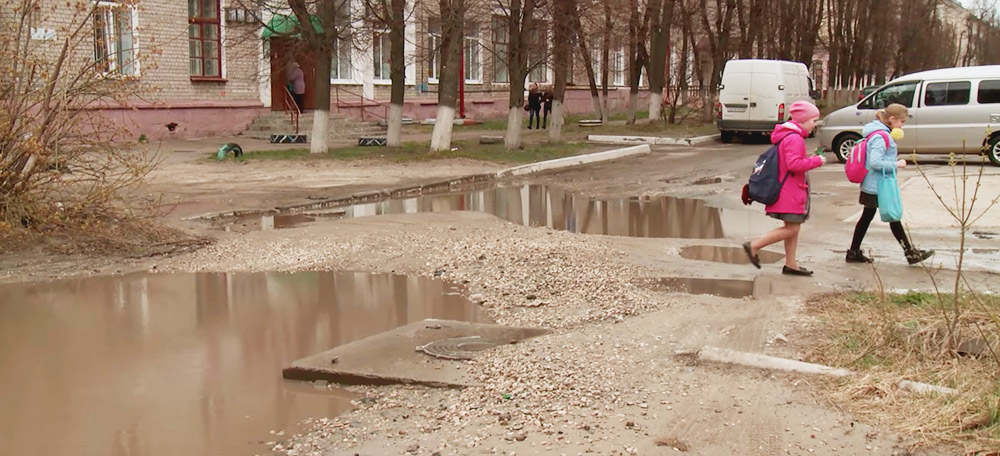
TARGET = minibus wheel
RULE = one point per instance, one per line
(993, 149)
(843, 144)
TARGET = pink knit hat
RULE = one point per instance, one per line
(803, 111)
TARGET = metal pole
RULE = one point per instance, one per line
(461, 80)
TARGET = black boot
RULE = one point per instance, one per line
(914, 256)
(857, 256)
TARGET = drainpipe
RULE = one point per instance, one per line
(461, 82)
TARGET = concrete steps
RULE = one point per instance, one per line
(341, 128)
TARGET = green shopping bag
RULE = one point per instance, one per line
(890, 204)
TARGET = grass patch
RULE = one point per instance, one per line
(901, 337)
(420, 151)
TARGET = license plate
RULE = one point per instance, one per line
(735, 109)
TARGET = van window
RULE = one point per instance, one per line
(947, 93)
(989, 92)
(901, 93)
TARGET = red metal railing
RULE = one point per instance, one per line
(363, 103)
(293, 110)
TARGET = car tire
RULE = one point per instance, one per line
(843, 144)
(993, 149)
(727, 136)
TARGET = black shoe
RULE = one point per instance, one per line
(915, 256)
(857, 256)
(799, 272)
(754, 259)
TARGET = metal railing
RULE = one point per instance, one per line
(293, 110)
(363, 103)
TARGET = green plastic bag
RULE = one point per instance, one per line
(890, 204)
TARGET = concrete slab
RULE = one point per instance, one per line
(391, 357)
(652, 140)
(575, 160)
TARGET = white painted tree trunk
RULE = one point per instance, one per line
(655, 106)
(512, 140)
(605, 115)
(555, 129)
(395, 134)
(320, 143)
(441, 137)
(598, 108)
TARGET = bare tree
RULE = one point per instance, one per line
(391, 14)
(563, 43)
(520, 21)
(718, 30)
(588, 63)
(452, 35)
(661, 22)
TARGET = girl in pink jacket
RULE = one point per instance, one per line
(792, 206)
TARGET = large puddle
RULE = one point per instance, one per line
(186, 364)
(539, 205)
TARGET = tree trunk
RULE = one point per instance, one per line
(320, 143)
(661, 15)
(519, 24)
(605, 56)
(563, 46)
(397, 71)
(595, 95)
(452, 15)
(633, 69)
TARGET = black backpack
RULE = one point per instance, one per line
(764, 186)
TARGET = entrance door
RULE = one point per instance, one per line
(284, 51)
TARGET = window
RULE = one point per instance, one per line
(538, 54)
(500, 42)
(947, 93)
(114, 39)
(595, 63)
(380, 55)
(901, 93)
(618, 67)
(989, 92)
(340, 67)
(433, 50)
(204, 39)
(473, 66)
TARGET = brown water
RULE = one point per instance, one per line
(731, 255)
(727, 288)
(553, 207)
(186, 364)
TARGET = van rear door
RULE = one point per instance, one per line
(765, 95)
(735, 93)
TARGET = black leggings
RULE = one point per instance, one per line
(534, 115)
(862, 228)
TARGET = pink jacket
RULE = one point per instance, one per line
(792, 151)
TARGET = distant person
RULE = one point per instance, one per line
(793, 204)
(547, 102)
(534, 106)
(297, 84)
(880, 158)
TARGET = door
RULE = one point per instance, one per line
(902, 93)
(764, 94)
(947, 119)
(735, 93)
(284, 51)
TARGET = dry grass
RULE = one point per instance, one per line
(900, 337)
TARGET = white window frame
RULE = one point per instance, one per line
(500, 59)
(618, 67)
(433, 54)
(473, 42)
(543, 67)
(338, 53)
(106, 10)
(381, 41)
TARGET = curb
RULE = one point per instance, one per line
(444, 185)
(574, 161)
(652, 140)
(726, 356)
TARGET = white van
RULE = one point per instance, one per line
(755, 95)
(948, 107)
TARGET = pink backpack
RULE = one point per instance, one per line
(857, 162)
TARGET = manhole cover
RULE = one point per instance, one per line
(458, 347)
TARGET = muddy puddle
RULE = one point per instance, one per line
(555, 208)
(186, 364)
(726, 288)
(730, 255)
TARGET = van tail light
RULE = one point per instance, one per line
(718, 110)
(781, 112)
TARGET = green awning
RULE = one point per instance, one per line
(287, 25)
